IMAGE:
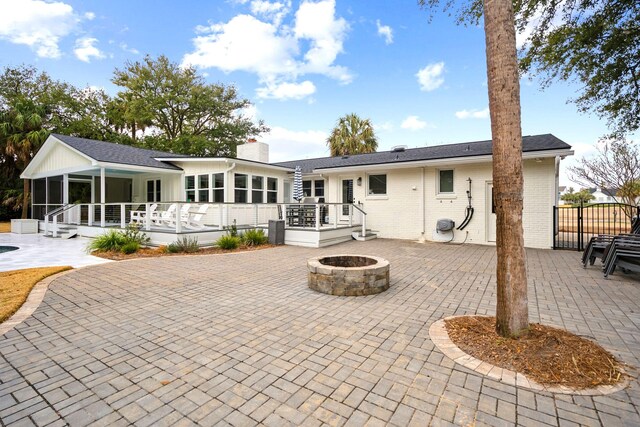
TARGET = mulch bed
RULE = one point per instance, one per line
(156, 252)
(547, 355)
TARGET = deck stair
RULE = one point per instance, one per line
(357, 235)
(65, 231)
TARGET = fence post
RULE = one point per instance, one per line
(580, 226)
(123, 215)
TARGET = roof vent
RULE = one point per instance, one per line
(398, 148)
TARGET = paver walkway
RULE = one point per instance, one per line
(239, 339)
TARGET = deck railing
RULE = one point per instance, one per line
(184, 216)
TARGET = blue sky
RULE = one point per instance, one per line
(303, 64)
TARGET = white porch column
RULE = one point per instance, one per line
(103, 187)
(65, 195)
(93, 200)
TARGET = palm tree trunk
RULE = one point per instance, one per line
(25, 198)
(512, 315)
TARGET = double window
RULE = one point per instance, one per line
(272, 190)
(257, 189)
(153, 190)
(241, 185)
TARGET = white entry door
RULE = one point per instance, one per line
(346, 195)
(491, 214)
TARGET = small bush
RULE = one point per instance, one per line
(110, 241)
(228, 242)
(163, 249)
(184, 245)
(255, 237)
(130, 247)
(133, 234)
(232, 230)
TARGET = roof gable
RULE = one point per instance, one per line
(109, 152)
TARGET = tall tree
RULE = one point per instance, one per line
(187, 115)
(596, 43)
(512, 313)
(352, 135)
(21, 135)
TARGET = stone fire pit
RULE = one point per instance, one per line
(348, 275)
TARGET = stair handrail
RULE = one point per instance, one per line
(55, 213)
(364, 219)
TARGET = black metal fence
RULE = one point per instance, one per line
(573, 225)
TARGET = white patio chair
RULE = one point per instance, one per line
(162, 217)
(183, 215)
(139, 216)
(196, 221)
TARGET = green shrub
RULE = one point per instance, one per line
(232, 230)
(130, 247)
(228, 242)
(133, 234)
(255, 237)
(185, 245)
(110, 241)
(114, 240)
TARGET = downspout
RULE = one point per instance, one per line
(422, 208)
(557, 196)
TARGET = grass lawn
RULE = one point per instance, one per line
(5, 227)
(15, 287)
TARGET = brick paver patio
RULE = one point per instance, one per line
(239, 339)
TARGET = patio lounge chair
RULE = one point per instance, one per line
(183, 215)
(623, 252)
(160, 218)
(195, 220)
(598, 244)
(140, 216)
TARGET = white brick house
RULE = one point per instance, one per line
(402, 192)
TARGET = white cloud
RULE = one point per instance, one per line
(126, 48)
(285, 90)
(385, 31)
(37, 24)
(473, 114)
(285, 144)
(413, 123)
(273, 11)
(278, 54)
(430, 77)
(386, 126)
(85, 49)
(90, 16)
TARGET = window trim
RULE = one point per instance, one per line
(245, 189)
(379, 196)
(261, 191)
(268, 192)
(446, 194)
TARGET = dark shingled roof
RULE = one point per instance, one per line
(449, 151)
(118, 153)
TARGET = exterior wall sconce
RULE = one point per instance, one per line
(359, 181)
